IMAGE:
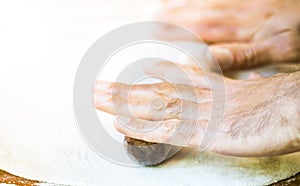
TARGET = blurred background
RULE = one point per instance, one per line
(41, 46)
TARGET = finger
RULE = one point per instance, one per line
(175, 132)
(186, 133)
(206, 31)
(192, 75)
(179, 74)
(210, 21)
(152, 109)
(269, 50)
(164, 91)
(238, 56)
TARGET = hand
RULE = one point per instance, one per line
(255, 122)
(242, 33)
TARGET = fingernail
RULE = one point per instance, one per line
(101, 100)
(101, 85)
(223, 56)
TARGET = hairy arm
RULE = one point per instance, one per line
(262, 116)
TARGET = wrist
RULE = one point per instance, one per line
(290, 107)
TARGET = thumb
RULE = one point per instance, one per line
(238, 56)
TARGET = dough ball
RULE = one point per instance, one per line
(148, 153)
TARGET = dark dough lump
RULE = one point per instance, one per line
(148, 153)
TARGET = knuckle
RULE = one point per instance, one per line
(173, 102)
(116, 90)
(169, 127)
(247, 57)
(174, 107)
(163, 90)
(167, 130)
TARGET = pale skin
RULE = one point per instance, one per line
(242, 34)
(261, 116)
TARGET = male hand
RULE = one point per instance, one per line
(242, 34)
(261, 116)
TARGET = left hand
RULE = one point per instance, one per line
(239, 36)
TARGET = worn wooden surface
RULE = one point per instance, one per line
(292, 181)
(7, 178)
